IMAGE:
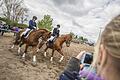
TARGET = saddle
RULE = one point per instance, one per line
(27, 34)
(51, 43)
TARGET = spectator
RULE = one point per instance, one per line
(4, 29)
(15, 30)
(1, 27)
(106, 58)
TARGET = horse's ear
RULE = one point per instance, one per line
(65, 37)
(71, 35)
(49, 33)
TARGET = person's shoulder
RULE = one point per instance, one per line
(30, 20)
(55, 28)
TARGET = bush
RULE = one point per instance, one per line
(46, 22)
(13, 23)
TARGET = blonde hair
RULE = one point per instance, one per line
(110, 38)
(96, 55)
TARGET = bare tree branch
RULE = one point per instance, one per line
(1, 2)
(13, 9)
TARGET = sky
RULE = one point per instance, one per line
(82, 17)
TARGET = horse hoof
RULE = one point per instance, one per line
(34, 64)
(19, 51)
(12, 47)
(23, 61)
(45, 54)
(60, 61)
(23, 58)
(51, 61)
(17, 54)
(38, 50)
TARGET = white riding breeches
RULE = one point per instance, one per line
(25, 32)
(51, 38)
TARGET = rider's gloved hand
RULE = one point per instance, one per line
(34, 27)
(37, 28)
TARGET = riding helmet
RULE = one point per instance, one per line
(58, 25)
(34, 17)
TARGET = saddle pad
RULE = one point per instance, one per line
(51, 43)
(28, 33)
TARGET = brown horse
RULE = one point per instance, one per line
(17, 38)
(32, 40)
(57, 45)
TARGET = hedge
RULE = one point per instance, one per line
(13, 23)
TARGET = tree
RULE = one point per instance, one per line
(1, 3)
(46, 22)
(10, 22)
(72, 34)
(81, 38)
(85, 39)
(13, 9)
(76, 36)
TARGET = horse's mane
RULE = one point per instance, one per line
(43, 29)
(63, 35)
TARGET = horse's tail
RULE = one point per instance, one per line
(18, 38)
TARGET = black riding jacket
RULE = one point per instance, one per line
(32, 24)
(56, 32)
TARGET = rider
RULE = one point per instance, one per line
(55, 33)
(32, 26)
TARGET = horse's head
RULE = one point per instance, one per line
(68, 39)
(46, 35)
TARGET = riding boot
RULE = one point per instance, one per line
(49, 43)
(25, 35)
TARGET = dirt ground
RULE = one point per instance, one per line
(12, 68)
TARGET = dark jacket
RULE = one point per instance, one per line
(32, 24)
(56, 32)
(72, 70)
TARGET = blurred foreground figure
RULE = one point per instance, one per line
(106, 61)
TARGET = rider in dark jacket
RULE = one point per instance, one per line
(55, 34)
(32, 23)
(56, 31)
(32, 26)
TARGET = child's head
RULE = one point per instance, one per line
(108, 49)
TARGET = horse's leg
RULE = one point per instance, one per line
(40, 45)
(51, 59)
(45, 51)
(2, 33)
(59, 50)
(16, 41)
(23, 56)
(20, 45)
(12, 46)
(34, 61)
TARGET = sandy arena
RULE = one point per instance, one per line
(12, 68)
